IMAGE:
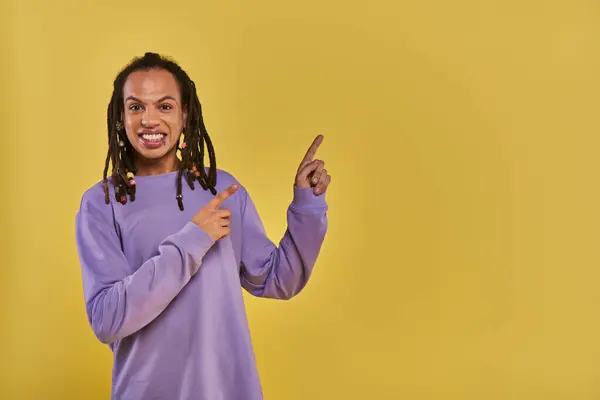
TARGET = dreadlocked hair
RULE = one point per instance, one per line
(120, 152)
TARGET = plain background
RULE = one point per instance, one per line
(462, 138)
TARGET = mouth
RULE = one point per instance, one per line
(152, 140)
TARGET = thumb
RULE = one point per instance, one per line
(308, 169)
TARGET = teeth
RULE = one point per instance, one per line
(156, 136)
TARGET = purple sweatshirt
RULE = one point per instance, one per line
(167, 299)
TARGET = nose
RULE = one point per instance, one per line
(150, 119)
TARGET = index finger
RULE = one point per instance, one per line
(222, 196)
(312, 150)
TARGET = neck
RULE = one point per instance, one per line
(169, 163)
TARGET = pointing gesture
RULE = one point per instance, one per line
(311, 172)
(214, 220)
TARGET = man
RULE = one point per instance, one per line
(161, 269)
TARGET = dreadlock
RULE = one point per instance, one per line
(121, 153)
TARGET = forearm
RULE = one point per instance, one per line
(120, 307)
(284, 270)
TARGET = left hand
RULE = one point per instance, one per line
(311, 172)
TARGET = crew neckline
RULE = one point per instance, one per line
(156, 176)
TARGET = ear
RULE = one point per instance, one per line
(184, 115)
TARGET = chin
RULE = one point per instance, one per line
(155, 151)
(153, 155)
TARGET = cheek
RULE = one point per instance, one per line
(132, 124)
(175, 124)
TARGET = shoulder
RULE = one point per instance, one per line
(93, 199)
(226, 179)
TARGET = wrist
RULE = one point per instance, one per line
(306, 198)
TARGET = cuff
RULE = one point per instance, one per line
(194, 240)
(305, 198)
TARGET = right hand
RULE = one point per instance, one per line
(214, 220)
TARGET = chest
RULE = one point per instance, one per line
(144, 224)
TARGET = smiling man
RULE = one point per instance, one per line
(162, 277)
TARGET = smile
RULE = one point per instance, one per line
(152, 140)
(152, 137)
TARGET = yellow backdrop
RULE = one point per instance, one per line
(462, 137)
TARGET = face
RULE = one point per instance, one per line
(153, 117)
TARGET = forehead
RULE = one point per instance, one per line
(154, 83)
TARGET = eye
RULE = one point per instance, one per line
(166, 107)
(135, 107)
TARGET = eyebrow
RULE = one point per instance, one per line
(158, 101)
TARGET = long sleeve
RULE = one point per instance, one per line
(118, 302)
(281, 272)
